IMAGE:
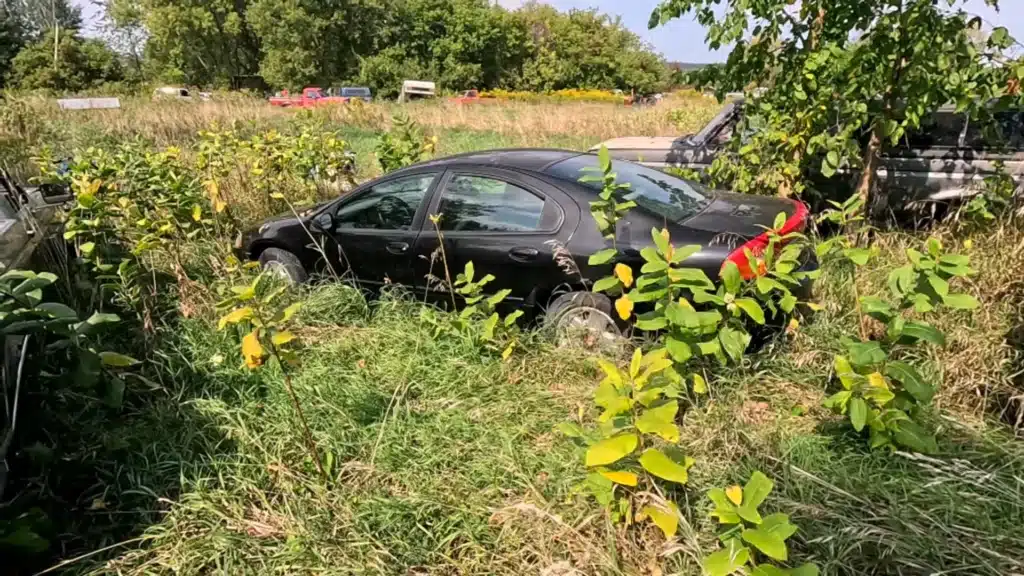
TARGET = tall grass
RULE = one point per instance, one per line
(443, 459)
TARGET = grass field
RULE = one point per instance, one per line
(444, 459)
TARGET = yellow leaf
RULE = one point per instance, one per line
(666, 518)
(735, 494)
(624, 306)
(234, 317)
(794, 325)
(876, 380)
(624, 478)
(634, 363)
(700, 386)
(252, 350)
(197, 212)
(282, 338)
(968, 244)
(508, 350)
(624, 274)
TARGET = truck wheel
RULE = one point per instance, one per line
(583, 319)
(284, 264)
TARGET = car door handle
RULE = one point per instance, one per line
(523, 254)
(397, 247)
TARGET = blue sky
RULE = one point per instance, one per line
(683, 39)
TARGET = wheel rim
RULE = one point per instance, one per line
(279, 270)
(587, 327)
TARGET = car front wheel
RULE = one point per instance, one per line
(284, 264)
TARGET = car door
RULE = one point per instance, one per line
(376, 228)
(503, 221)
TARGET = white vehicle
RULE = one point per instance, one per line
(171, 93)
(414, 89)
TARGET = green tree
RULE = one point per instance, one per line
(12, 39)
(81, 64)
(199, 41)
(831, 84)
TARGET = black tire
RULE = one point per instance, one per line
(285, 263)
(571, 300)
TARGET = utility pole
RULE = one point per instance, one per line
(56, 31)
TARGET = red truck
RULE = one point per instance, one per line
(468, 97)
(310, 97)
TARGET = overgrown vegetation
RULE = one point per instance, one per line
(404, 438)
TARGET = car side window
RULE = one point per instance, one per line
(1006, 130)
(940, 130)
(388, 206)
(482, 204)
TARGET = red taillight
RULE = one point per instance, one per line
(795, 223)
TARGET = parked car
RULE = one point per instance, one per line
(416, 90)
(506, 210)
(350, 93)
(172, 93)
(310, 98)
(946, 159)
(467, 97)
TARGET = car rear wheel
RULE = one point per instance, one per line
(283, 264)
(583, 319)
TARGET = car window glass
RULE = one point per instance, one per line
(388, 206)
(1005, 131)
(723, 135)
(670, 197)
(940, 130)
(477, 203)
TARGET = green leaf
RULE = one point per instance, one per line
(960, 301)
(734, 342)
(660, 421)
(667, 519)
(768, 543)
(757, 489)
(915, 331)
(679, 350)
(940, 286)
(659, 464)
(724, 510)
(934, 247)
(858, 256)
(876, 308)
(611, 450)
(910, 435)
(730, 276)
(570, 429)
(911, 380)
(605, 284)
(661, 238)
(498, 297)
(807, 569)
(858, 413)
(838, 401)
(768, 570)
(117, 360)
(58, 310)
(864, 353)
(728, 560)
(779, 525)
(602, 257)
(650, 324)
(752, 309)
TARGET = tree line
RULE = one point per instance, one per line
(460, 44)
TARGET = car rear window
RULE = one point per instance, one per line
(670, 197)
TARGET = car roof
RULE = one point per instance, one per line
(526, 159)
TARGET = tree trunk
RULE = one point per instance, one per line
(873, 202)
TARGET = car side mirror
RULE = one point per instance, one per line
(55, 193)
(323, 222)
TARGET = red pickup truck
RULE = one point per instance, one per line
(310, 97)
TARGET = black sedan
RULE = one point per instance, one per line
(515, 214)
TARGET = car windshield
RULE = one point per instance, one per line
(670, 197)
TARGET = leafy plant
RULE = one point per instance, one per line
(632, 452)
(606, 210)
(994, 199)
(881, 393)
(751, 541)
(404, 144)
(263, 321)
(66, 341)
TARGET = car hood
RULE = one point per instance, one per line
(745, 215)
